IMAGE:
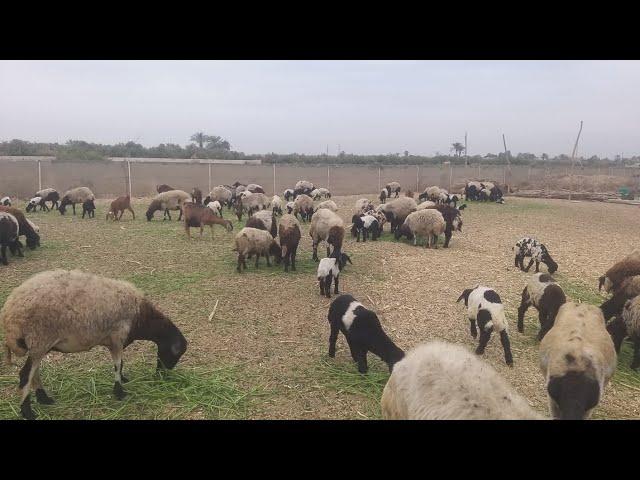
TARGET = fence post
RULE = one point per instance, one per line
(450, 175)
(379, 184)
(129, 177)
(417, 178)
(328, 178)
(274, 177)
(210, 177)
(39, 176)
(504, 177)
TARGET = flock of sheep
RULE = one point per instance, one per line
(437, 380)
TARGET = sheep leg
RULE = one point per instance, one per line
(517, 264)
(202, 229)
(336, 288)
(506, 346)
(636, 352)
(41, 394)
(327, 285)
(364, 234)
(26, 378)
(315, 252)
(116, 354)
(328, 250)
(472, 328)
(268, 263)
(529, 266)
(333, 338)
(321, 286)
(74, 208)
(361, 359)
(522, 309)
(484, 339)
(257, 258)
(537, 266)
(435, 241)
(447, 236)
(3, 255)
(240, 262)
(545, 324)
(180, 216)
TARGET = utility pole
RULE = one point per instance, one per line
(506, 154)
(573, 156)
(466, 156)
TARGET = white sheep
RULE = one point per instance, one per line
(169, 200)
(426, 224)
(252, 241)
(326, 226)
(216, 207)
(330, 204)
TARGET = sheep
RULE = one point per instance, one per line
(196, 195)
(239, 208)
(393, 187)
(485, 307)
(303, 205)
(380, 217)
(577, 359)
(35, 227)
(289, 233)
(197, 215)
(443, 381)
(73, 196)
(383, 196)
(362, 205)
(627, 324)
(430, 193)
(327, 226)
(5, 201)
(221, 194)
(530, 247)
(303, 186)
(9, 228)
(255, 202)
(216, 207)
(427, 223)
(471, 190)
(255, 188)
(163, 188)
(289, 194)
(269, 220)
(88, 207)
(365, 224)
(37, 319)
(165, 201)
(397, 210)
(329, 204)
(425, 204)
(25, 228)
(276, 204)
(255, 222)
(546, 296)
(627, 267)
(290, 206)
(251, 241)
(49, 195)
(329, 269)
(629, 288)
(484, 195)
(118, 206)
(487, 185)
(495, 195)
(318, 193)
(36, 202)
(363, 332)
(452, 199)
(315, 194)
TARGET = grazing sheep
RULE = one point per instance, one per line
(290, 206)
(530, 247)
(471, 190)
(9, 228)
(49, 195)
(383, 196)
(197, 215)
(363, 332)
(430, 193)
(365, 224)
(5, 201)
(397, 210)
(215, 207)
(362, 205)
(443, 381)
(326, 226)
(485, 307)
(255, 188)
(546, 296)
(627, 267)
(25, 228)
(329, 204)
(73, 196)
(577, 359)
(196, 195)
(276, 204)
(628, 289)
(221, 194)
(303, 186)
(329, 269)
(496, 195)
(36, 202)
(89, 208)
(393, 187)
(118, 206)
(165, 201)
(318, 193)
(239, 208)
(35, 227)
(289, 233)
(269, 220)
(255, 202)
(484, 195)
(164, 188)
(426, 204)
(487, 185)
(303, 205)
(251, 241)
(427, 224)
(625, 325)
(255, 222)
(37, 319)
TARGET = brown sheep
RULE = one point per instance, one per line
(118, 206)
(289, 234)
(196, 215)
(196, 195)
(33, 239)
(627, 267)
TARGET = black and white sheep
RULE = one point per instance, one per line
(363, 333)
(288, 194)
(530, 247)
(546, 296)
(443, 381)
(577, 359)
(9, 230)
(49, 195)
(319, 193)
(303, 206)
(73, 196)
(290, 206)
(37, 319)
(221, 194)
(472, 190)
(329, 270)
(36, 202)
(5, 201)
(276, 204)
(364, 225)
(485, 307)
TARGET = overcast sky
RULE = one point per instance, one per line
(365, 107)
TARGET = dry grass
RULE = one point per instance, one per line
(263, 355)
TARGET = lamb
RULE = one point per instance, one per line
(530, 247)
(627, 267)
(365, 224)
(5, 201)
(318, 193)
(276, 204)
(36, 202)
(197, 215)
(363, 333)
(430, 193)
(25, 228)
(329, 269)
(329, 204)
(442, 381)
(397, 210)
(9, 228)
(49, 195)
(362, 205)
(251, 241)
(221, 194)
(485, 307)
(88, 207)
(269, 220)
(303, 205)
(196, 195)
(215, 207)
(165, 201)
(163, 188)
(290, 206)
(327, 226)
(73, 196)
(427, 224)
(546, 296)
(255, 202)
(577, 358)
(628, 289)
(37, 319)
(255, 188)
(118, 206)
(289, 194)
(383, 196)
(289, 233)
(393, 187)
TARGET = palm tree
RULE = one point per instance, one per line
(217, 143)
(458, 147)
(199, 138)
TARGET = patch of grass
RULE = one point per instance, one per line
(211, 393)
(159, 283)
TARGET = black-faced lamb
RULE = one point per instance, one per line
(25, 228)
(88, 208)
(443, 381)
(73, 196)
(546, 296)
(251, 241)
(577, 359)
(427, 224)
(627, 324)
(276, 205)
(290, 206)
(288, 194)
(303, 205)
(627, 289)
(627, 267)
(289, 233)
(364, 225)
(9, 229)
(36, 202)
(37, 319)
(326, 226)
(329, 270)
(363, 332)
(393, 187)
(165, 201)
(485, 307)
(49, 195)
(397, 210)
(530, 247)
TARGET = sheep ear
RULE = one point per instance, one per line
(465, 295)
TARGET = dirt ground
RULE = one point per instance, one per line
(275, 325)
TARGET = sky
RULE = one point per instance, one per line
(361, 107)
